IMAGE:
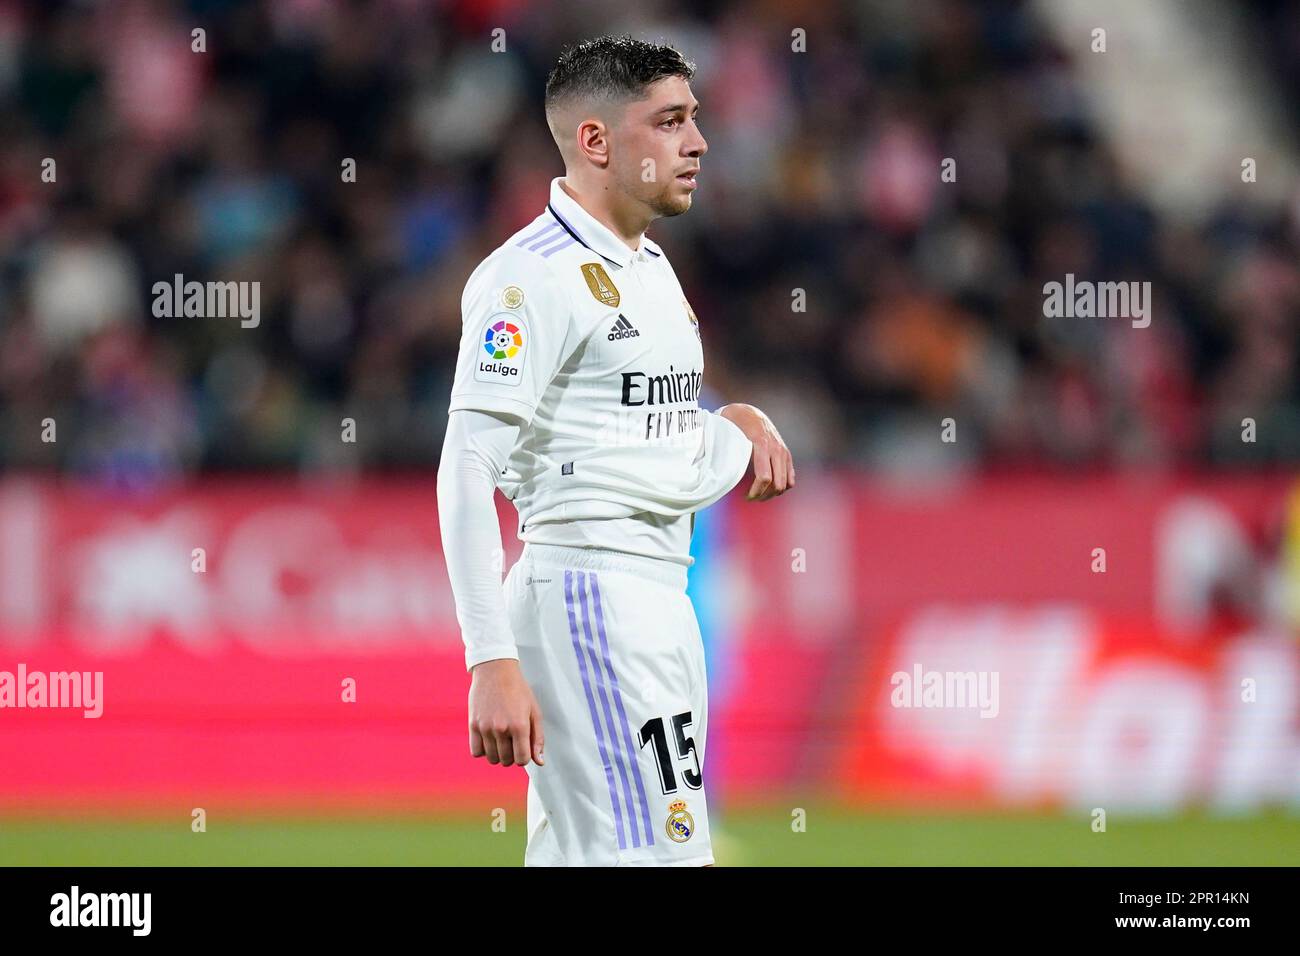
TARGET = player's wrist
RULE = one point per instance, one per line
(745, 417)
(494, 665)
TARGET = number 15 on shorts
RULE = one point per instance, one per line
(654, 732)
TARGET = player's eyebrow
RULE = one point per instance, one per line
(677, 108)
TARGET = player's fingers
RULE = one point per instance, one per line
(775, 469)
(786, 471)
(539, 738)
(778, 483)
(762, 473)
(780, 473)
(505, 745)
(475, 742)
(490, 746)
(523, 747)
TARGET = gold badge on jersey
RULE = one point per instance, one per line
(512, 297)
(680, 824)
(600, 285)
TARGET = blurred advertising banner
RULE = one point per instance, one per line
(1127, 643)
(1057, 707)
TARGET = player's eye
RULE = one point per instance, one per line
(669, 122)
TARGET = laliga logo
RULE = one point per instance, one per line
(502, 342)
(680, 824)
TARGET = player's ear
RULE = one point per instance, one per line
(593, 141)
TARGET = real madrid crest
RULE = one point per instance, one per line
(599, 283)
(680, 824)
(512, 297)
(690, 314)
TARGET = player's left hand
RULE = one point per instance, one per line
(773, 466)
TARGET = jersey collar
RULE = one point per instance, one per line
(586, 229)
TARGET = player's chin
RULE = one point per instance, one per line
(676, 201)
(680, 200)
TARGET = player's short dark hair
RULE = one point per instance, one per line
(614, 69)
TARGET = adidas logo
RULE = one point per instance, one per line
(622, 329)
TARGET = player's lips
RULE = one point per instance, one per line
(688, 177)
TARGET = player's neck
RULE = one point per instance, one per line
(602, 205)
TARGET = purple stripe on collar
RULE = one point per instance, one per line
(562, 244)
(550, 226)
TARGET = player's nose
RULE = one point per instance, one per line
(697, 146)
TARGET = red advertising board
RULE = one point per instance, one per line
(269, 643)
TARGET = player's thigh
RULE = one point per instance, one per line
(585, 821)
(616, 669)
(650, 650)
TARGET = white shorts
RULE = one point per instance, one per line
(611, 648)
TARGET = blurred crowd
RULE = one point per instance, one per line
(840, 284)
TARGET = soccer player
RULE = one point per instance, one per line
(577, 393)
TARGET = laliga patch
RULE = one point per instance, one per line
(602, 289)
(501, 359)
(680, 825)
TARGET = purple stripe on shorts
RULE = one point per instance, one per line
(550, 226)
(591, 707)
(568, 241)
(622, 714)
(619, 755)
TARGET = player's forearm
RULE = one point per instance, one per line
(474, 452)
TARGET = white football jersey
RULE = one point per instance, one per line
(596, 350)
